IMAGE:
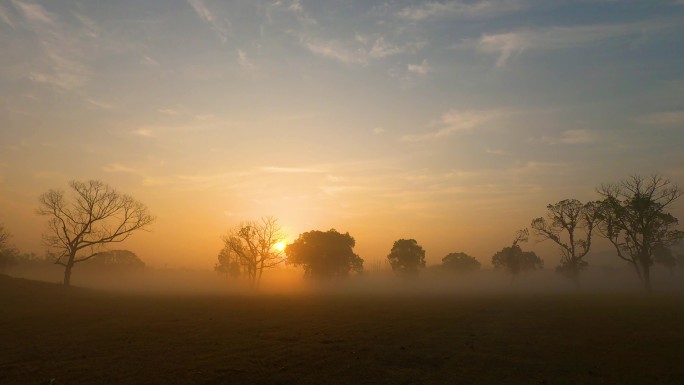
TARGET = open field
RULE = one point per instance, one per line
(79, 336)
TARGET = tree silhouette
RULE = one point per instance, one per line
(252, 245)
(8, 255)
(514, 260)
(118, 260)
(4, 236)
(663, 255)
(228, 263)
(406, 257)
(327, 254)
(460, 262)
(95, 216)
(635, 219)
(570, 225)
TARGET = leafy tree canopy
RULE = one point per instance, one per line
(406, 256)
(460, 262)
(515, 261)
(326, 254)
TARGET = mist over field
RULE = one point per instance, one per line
(290, 281)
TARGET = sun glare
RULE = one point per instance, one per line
(280, 246)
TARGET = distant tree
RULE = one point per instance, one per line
(253, 245)
(663, 255)
(460, 262)
(406, 257)
(8, 255)
(570, 224)
(4, 236)
(119, 260)
(228, 263)
(514, 260)
(95, 216)
(635, 218)
(324, 255)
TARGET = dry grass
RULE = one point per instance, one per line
(77, 336)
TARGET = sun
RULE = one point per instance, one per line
(280, 246)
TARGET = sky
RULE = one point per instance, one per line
(451, 122)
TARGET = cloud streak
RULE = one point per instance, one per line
(5, 17)
(291, 170)
(460, 9)
(454, 121)
(221, 27)
(664, 118)
(67, 49)
(573, 137)
(420, 69)
(362, 50)
(509, 44)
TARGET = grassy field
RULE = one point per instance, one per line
(53, 335)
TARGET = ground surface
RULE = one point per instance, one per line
(50, 334)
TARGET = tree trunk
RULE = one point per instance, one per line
(646, 276)
(67, 274)
(261, 271)
(67, 268)
(635, 264)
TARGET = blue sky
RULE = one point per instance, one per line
(452, 122)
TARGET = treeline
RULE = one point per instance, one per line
(633, 215)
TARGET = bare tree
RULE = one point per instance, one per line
(254, 243)
(570, 224)
(4, 236)
(635, 219)
(8, 255)
(95, 216)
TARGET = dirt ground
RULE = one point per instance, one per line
(54, 335)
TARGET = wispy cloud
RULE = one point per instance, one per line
(420, 69)
(169, 111)
(297, 8)
(332, 49)
(379, 130)
(67, 48)
(144, 132)
(101, 104)
(5, 17)
(34, 12)
(120, 168)
(459, 8)
(361, 50)
(570, 137)
(244, 60)
(495, 151)
(291, 170)
(453, 121)
(149, 61)
(220, 26)
(664, 118)
(506, 45)
(381, 48)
